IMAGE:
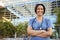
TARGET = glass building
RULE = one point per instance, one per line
(24, 9)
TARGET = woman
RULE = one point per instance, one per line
(39, 28)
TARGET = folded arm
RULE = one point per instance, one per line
(34, 32)
(46, 34)
(41, 33)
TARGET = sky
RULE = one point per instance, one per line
(26, 1)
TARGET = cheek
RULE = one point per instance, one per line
(40, 11)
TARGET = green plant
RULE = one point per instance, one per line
(7, 29)
(57, 11)
(1, 29)
(22, 29)
(57, 24)
(54, 35)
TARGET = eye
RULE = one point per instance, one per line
(38, 8)
(41, 8)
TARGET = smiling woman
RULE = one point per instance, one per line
(39, 28)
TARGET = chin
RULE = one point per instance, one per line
(40, 15)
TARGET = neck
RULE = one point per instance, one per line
(39, 17)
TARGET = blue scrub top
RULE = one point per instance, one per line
(45, 24)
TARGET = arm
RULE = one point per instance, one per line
(47, 33)
(49, 29)
(32, 32)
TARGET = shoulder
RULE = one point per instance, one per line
(48, 22)
(47, 19)
(32, 19)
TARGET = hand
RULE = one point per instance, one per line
(42, 31)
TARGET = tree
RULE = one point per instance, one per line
(57, 11)
(7, 29)
(57, 24)
(21, 29)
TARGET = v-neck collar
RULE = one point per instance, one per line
(39, 22)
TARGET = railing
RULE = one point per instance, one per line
(14, 11)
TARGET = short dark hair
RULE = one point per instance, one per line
(38, 5)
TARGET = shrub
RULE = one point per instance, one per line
(22, 29)
(7, 29)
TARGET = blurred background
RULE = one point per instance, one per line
(15, 14)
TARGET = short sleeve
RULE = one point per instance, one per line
(30, 22)
(50, 24)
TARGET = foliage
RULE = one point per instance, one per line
(54, 34)
(57, 24)
(22, 29)
(57, 11)
(7, 29)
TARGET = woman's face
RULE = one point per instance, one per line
(39, 10)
